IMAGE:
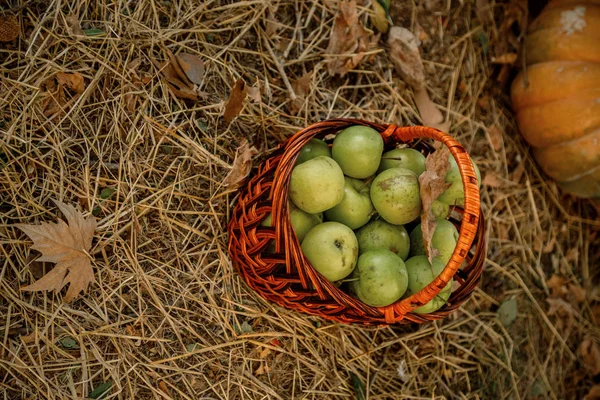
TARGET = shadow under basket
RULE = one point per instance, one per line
(271, 261)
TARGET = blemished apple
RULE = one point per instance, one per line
(455, 194)
(380, 278)
(445, 237)
(420, 274)
(357, 150)
(379, 234)
(403, 158)
(332, 250)
(317, 185)
(314, 148)
(395, 195)
(301, 222)
(356, 208)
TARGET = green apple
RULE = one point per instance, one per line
(356, 208)
(439, 209)
(317, 185)
(301, 222)
(381, 278)
(403, 158)
(420, 274)
(314, 148)
(395, 195)
(357, 150)
(445, 237)
(455, 194)
(332, 250)
(379, 234)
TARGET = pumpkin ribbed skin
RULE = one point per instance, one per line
(557, 98)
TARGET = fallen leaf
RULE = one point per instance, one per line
(192, 66)
(432, 184)
(348, 40)
(100, 390)
(491, 179)
(73, 25)
(430, 115)
(483, 11)
(507, 312)
(181, 75)
(578, 293)
(404, 53)
(9, 28)
(506, 58)
(67, 246)
(73, 81)
(253, 92)
(29, 338)
(242, 164)
(92, 32)
(236, 101)
(178, 87)
(572, 254)
(563, 311)
(557, 285)
(301, 87)
(593, 394)
(163, 388)
(69, 343)
(588, 349)
(264, 353)
(262, 369)
(495, 135)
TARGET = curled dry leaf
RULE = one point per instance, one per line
(177, 86)
(73, 25)
(67, 245)
(348, 41)
(9, 28)
(432, 184)
(242, 164)
(236, 101)
(73, 81)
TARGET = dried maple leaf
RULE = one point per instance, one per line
(236, 101)
(432, 184)
(73, 81)
(9, 28)
(67, 246)
(348, 41)
(241, 164)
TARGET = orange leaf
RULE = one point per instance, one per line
(432, 184)
(348, 41)
(242, 164)
(73, 81)
(557, 284)
(236, 101)
(67, 246)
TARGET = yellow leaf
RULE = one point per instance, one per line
(67, 246)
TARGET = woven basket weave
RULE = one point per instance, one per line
(285, 277)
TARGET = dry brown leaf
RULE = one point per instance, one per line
(593, 394)
(348, 41)
(178, 87)
(242, 164)
(174, 62)
(192, 66)
(506, 58)
(578, 293)
(563, 312)
(491, 179)
(430, 115)
(557, 285)
(590, 354)
(29, 338)
(254, 92)
(236, 101)
(495, 134)
(262, 369)
(9, 28)
(483, 11)
(432, 184)
(163, 388)
(73, 25)
(67, 246)
(403, 49)
(572, 254)
(301, 87)
(264, 353)
(72, 80)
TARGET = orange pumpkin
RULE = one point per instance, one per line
(557, 97)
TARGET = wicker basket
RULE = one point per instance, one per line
(285, 277)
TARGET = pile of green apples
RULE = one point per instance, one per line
(352, 205)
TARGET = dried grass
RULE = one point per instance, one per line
(170, 318)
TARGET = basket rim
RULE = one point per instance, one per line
(471, 209)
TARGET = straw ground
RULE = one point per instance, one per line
(169, 317)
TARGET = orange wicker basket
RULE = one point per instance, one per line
(285, 277)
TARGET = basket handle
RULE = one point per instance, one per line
(468, 226)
